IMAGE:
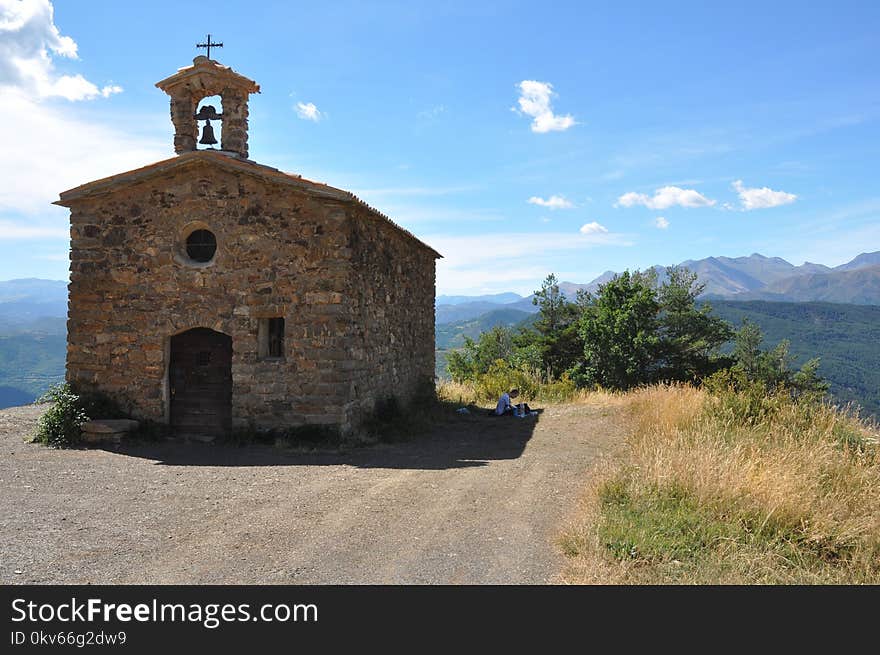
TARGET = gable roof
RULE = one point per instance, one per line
(232, 163)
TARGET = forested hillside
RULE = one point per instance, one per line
(29, 363)
(33, 341)
(845, 337)
(451, 335)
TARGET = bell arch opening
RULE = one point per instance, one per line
(209, 121)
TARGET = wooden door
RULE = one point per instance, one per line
(200, 377)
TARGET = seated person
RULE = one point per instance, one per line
(505, 407)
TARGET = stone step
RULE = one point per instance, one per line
(111, 430)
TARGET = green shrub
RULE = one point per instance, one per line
(502, 377)
(561, 390)
(60, 425)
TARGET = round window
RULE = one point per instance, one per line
(201, 245)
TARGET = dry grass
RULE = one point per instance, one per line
(464, 394)
(718, 490)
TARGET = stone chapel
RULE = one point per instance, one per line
(210, 292)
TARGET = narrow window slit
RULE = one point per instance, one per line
(271, 338)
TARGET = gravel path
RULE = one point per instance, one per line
(478, 500)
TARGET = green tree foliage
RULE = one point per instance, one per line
(690, 336)
(845, 336)
(556, 339)
(772, 369)
(501, 377)
(619, 330)
(632, 331)
(475, 357)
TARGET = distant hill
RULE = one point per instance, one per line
(34, 290)
(861, 261)
(463, 312)
(29, 363)
(758, 277)
(726, 276)
(497, 298)
(844, 337)
(22, 302)
(450, 336)
(33, 338)
(755, 277)
(860, 286)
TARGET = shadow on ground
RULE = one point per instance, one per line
(456, 442)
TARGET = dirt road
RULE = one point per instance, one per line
(478, 500)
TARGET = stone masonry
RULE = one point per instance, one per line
(355, 290)
(206, 78)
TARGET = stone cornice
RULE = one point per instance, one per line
(207, 78)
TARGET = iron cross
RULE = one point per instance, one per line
(209, 45)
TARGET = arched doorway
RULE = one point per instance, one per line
(200, 382)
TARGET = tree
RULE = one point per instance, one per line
(557, 340)
(552, 306)
(619, 331)
(690, 336)
(475, 357)
(773, 368)
(770, 367)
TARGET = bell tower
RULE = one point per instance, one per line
(192, 84)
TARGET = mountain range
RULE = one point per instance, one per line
(755, 277)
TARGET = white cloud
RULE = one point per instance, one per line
(28, 40)
(54, 152)
(501, 260)
(664, 198)
(433, 112)
(109, 90)
(762, 198)
(10, 230)
(553, 202)
(593, 228)
(308, 111)
(661, 223)
(51, 151)
(534, 101)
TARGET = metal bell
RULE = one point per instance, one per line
(208, 113)
(208, 135)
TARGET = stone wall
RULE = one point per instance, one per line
(392, 305)
(280, 253)
(356, 294)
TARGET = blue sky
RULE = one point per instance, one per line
(518, 139)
